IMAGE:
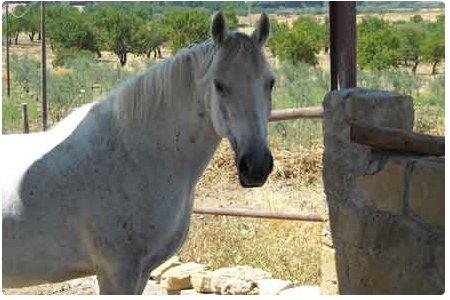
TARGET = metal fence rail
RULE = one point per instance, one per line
(296, 113)
(240, 212)
(275, 115)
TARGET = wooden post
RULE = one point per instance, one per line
(25, 126)
(8, 77)
(43, 70)
(342, 16)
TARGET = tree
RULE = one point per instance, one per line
(33, 19)
(68, 28)
(149, 38)
(410, 38)
(377, 45)
(186, 27)
(433, 45)
(301, 43)
(116, 31)
(16, 25)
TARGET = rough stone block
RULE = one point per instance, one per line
(271, 286)
(379, 108)
(427, 191)
(173, 292)
(201, 282)
(384, 190)
(238, 286)
(240, 280)
(153, 288)
(179, 277)
(170, 263)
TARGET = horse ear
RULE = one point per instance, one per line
(218, 28)
(261, 32)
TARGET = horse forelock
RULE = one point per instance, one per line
(238, 46)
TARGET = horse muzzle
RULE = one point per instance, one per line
(254, 167)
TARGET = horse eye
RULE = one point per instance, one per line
(272, 83)
(220, 87)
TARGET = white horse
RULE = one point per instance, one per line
(109, 190)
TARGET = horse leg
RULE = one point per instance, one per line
(122, 278)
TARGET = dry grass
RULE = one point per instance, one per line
(287, 249)
(302, 166)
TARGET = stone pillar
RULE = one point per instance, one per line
(386, 209)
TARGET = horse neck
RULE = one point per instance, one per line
(178, 123)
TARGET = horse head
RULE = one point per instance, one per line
(242, 84)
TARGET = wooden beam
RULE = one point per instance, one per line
(342, 16)
(296, 113)
(393, 139)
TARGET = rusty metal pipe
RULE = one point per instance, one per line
(239, 212)
(296, 113)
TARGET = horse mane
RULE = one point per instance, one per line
(180, 77)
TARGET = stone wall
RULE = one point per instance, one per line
(386, 209)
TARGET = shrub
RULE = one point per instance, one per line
(64, 55)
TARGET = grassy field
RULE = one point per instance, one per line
(288, 249)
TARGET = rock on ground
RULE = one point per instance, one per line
(179, 277)
(170, 263)
(271, 286)
(301, 291)
(240, 280)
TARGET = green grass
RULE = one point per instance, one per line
(297, 86)
(66, 88)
